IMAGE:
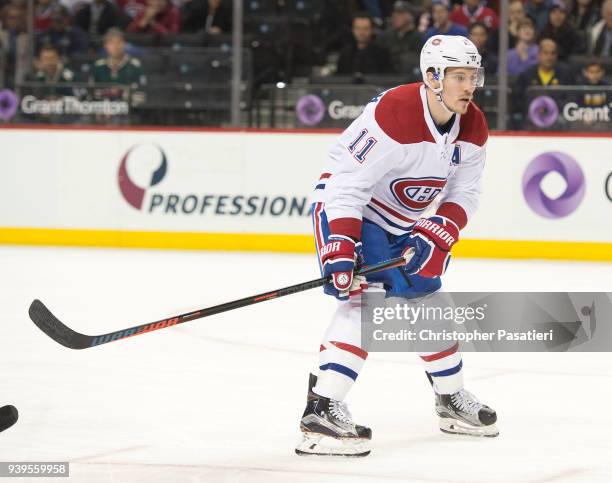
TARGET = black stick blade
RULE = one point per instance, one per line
(54, 328)
(8, 416)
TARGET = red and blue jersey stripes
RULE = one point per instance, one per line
(347, 359)
(443, 363)
(321, 230)
(322, 181)
(392, 163)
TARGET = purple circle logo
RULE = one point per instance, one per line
(310, 110)
(543, 111)
(575, 188)
(8, 104)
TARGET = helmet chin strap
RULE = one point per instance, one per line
(438, 92)
(442, 103)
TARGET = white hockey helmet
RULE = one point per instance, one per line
(443, 51)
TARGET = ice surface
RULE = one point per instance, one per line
(219, 399)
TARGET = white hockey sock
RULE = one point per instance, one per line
(445, 369)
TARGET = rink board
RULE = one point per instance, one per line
(249, 190)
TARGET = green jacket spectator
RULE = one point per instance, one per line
(126, 71)
(118, 67)
(402, 39)
(50, 71)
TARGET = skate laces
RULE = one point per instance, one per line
(466, 401)
(339, 410)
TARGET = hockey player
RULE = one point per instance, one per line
(411, 144)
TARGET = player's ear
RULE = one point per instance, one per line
(433, 79)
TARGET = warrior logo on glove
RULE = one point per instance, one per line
(432, 240)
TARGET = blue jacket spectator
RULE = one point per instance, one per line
(68, 39)
(441, 21)
(538, 11)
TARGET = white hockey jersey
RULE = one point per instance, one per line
(391, 163)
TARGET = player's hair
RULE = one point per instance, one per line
(473, 25)
(527, 22)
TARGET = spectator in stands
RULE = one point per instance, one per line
(600, 35)
(584, 14)
(594, 73)
(525, 53)
(132, 8)
(593, 76)
(72, 5)
(475, 11)
(42, 14)
(548, 72)
(516, 14)
(68, 39)
(441, 21)
(560, 30)
(98, 16)
(363, 56)
(538, 11)
(210, 16)
(117, 67)
(14, 44)
(49, 68)
(160, 17)
(478, 34)
(335, 24)
(373, 7)
(402, 38)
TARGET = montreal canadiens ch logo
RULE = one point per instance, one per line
(132, 193)
(416, 193)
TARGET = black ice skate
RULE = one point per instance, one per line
(328, 429)
(462, 413)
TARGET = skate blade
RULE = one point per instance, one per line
(453, 426)
(322, 445)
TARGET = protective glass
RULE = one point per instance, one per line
(475, 78)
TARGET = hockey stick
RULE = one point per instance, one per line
(54, 328)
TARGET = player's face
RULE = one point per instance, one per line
(459, 85)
